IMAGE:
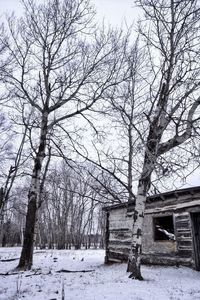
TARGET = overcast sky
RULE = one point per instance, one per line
(116, 11)
(113, 11)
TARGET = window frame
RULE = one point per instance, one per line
(154, 228)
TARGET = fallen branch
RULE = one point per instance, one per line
(9, 259)
(37, 273)
(30, 275)
(71, 271)
(7, 274)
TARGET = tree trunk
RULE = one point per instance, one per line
(130, 165)
(1, 215)
(134, 259)
(26, 258)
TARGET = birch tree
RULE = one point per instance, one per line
(61, 67)
(171, 114)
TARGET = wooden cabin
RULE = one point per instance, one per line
(171, 231)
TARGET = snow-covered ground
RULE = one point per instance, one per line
(44, 282)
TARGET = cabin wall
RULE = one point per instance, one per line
(164, 252)
(118, 239)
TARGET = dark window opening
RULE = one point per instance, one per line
(164, 229)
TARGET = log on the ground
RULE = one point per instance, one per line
(9, 259)
(7, 274)
(71, 271)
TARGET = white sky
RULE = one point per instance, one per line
(114, 11)
(9, 6)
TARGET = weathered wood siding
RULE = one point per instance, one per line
(183, 234)
(167, 252)
(119, 235)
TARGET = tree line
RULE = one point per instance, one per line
(70, 214)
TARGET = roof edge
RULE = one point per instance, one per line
(156, 197)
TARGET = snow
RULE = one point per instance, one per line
(108, 282)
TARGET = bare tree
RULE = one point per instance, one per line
(10, 177)
(60, 68)
(171, 39)
(123, 112)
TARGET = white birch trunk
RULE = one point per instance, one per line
(134, 259)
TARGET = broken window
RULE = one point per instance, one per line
(164, 228)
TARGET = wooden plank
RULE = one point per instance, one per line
(157, 259)
(119, 250)
(185, 243)
(182, 223)
(119, 230)
(181, 239)
(171, 207)
(119, 237)
(182, 214)
(186, 236)
(120, 224)
(115, 260)
(183, 230)
(173, 201)
(184, 248)
(118, 256)
(181, 217)
(119, 243)
(185, 254)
